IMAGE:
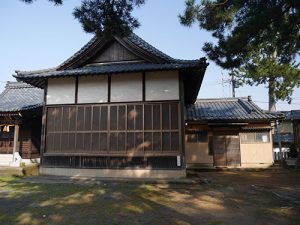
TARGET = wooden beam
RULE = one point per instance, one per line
(16, 138)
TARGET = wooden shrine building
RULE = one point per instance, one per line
(20, 124)
(116, 108)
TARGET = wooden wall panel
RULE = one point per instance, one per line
(115, 53)
(113, 129)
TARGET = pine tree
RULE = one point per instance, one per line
(259, 39)
(105, 17)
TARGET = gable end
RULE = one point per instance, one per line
(114, 52)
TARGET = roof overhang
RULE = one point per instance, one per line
(192, 74)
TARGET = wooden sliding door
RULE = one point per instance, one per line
(226, 150)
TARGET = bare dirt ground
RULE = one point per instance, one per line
(212, 198)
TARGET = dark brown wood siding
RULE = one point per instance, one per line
(113, 135)
(297, 134)
(29, 140)
(114, 53)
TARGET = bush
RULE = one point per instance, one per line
(31, 170)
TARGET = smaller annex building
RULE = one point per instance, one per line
(295, 116)
(228, 132)
(20, 124)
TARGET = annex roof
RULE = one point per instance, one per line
(291, 115)
(18, 96)
(295, 114)
(102, 56)
(227, 110)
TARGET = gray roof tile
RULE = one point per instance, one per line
(106, 69)
(19, 96)
(295, 114)
(226, 109)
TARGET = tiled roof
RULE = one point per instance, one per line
(226, 109)
(291, 115)
(19, 96)
(286, 138)
(109, 68)
(169, 63)
(151, 60)
(295, 114)
(136, 40)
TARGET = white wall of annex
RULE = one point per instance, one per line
(162, 86)
(92, 89)
(127, 87)
(61, 91)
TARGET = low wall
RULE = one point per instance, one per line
(6, 160)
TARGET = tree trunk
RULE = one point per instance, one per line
(272, 102)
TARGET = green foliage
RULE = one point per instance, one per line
(105, 17)
(56, 2)
(259, 39)
(262, 65)
(108, 17)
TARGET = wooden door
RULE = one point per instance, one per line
(233, 150)
(219, 146)
(226, 150)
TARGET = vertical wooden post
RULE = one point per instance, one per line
(43, 128)
(16, 137)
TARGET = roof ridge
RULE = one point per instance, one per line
(134, 37)
(23, 72)
(17, 85)
(220, 99)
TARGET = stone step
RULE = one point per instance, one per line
(5, 159)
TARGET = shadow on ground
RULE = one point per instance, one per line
(227, 198)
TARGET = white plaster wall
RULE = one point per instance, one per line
(61, 91)
(127, 87)
(92, 89)
(162, 85)
(257, 153)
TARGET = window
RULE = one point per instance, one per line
(162, 86)
(197, 136)
(61, 91)
(92, 89)
(126, 87)
(255, 137)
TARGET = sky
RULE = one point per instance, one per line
(41, 35)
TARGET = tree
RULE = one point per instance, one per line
(105, 17)
(259, 39)
(262, 66)
(56, 2)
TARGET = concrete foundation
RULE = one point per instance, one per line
(114, 173)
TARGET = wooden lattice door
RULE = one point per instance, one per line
(226, 150)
